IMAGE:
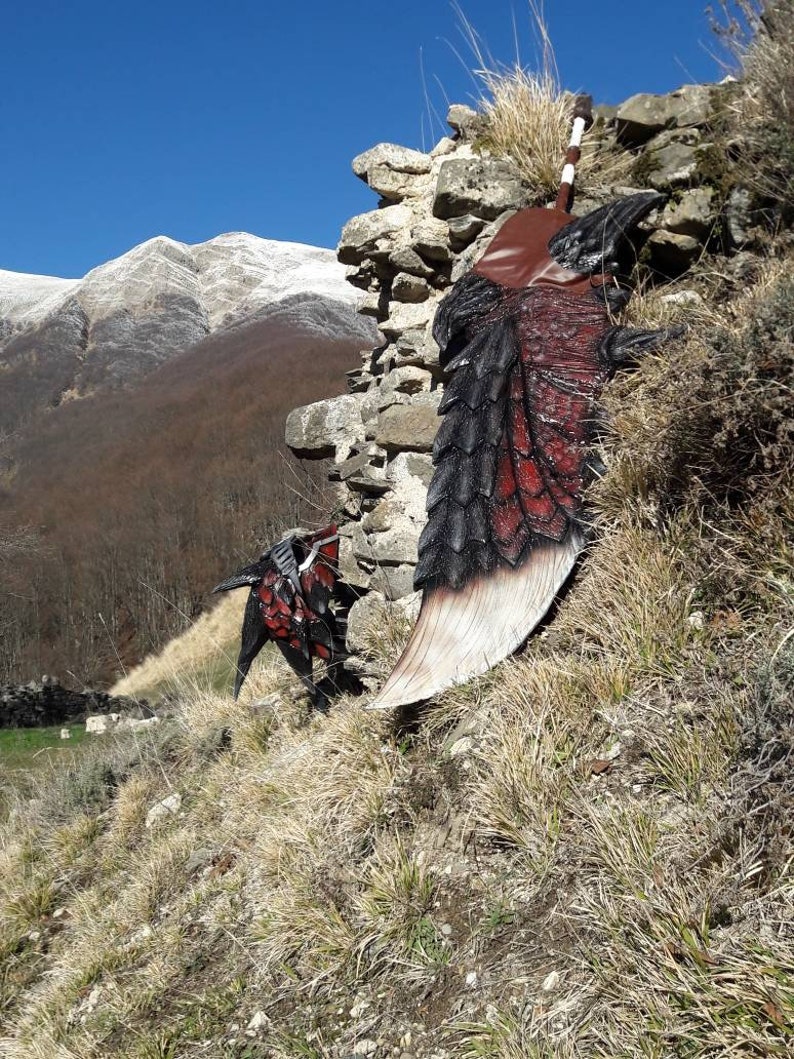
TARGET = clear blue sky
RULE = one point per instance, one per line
(121, 121)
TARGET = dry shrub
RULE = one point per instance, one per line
(529, 118)
(760, 35)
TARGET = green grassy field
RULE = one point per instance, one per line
(26, 748)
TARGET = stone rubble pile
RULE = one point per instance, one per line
(45, 702)
(436, 214)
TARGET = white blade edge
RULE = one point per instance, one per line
(461, 633)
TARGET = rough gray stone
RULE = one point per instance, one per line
(466, 122)
(362, 234)
(693, 214)
(395, 185)
(410, 464)
(406, 259)
(395, 582)
(391, 156)
(484, 187)
(464, 230)
(161, 810)
(410, 379)
(430, 238)
(314, 430)
(367, 614)
(671, 252)
(371, 304)
(445, 145)
(673, 165)
(643, 115)
(407, 316)
(408, 288)
(408, 428)
(739, 216)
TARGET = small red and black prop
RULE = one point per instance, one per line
(292, 586)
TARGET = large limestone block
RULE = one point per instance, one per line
(316, 431)
(408, 316)
(362, 235)
(391, 156)
(484, 187)
(407, 428)
(643, 115)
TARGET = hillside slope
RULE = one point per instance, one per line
(586, 853)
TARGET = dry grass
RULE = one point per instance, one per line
(208, 647)
(528, 117)
(585, 853)
(759, 37)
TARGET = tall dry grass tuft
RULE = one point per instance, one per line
(759, 36)
(528, 117)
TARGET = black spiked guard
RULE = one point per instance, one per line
(595, 243)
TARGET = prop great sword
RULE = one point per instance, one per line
(527, 340)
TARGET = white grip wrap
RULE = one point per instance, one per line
(568, 174)
(577, 132)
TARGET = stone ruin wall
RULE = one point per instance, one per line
(437, 212)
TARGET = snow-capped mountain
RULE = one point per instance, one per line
(65, 338)
(228, 276)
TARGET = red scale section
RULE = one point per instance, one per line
(553, 392)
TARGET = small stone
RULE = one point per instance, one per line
(673, 253)
(430, 238)
(739, 216)
(444, 146)
(471, 978)
(258, 1022)
(101, 723)
(643, 115)
(161, 810)
(365, 1047)
(672, 166)
(464, 745)
(66, 733)
(314, 430)
(697, 619)
(362, 234)
(405, 259)
(408, 380)
(463, 230)
(683, 298)
(550, 982)
(391, 156)
(395, 582)
(446, 930)
(369, 304)
(465, 121)
(404, 316)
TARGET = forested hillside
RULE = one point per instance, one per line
(121, 512)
